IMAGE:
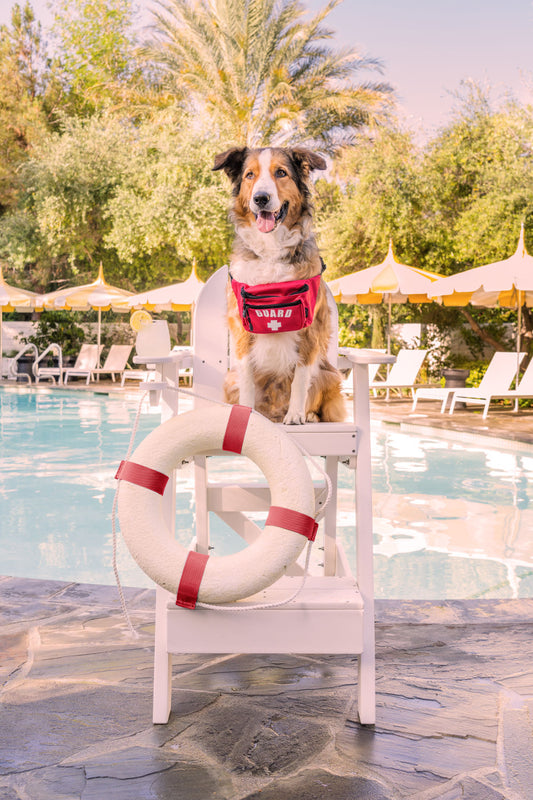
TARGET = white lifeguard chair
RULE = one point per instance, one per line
(334, 612)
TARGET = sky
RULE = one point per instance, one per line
(427, 47)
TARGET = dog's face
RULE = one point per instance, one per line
(270, 185)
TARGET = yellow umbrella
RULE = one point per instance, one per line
(389, 282)
(98, 295)
(176, 297)
(503, 283)
(507, 283)
(14, 299)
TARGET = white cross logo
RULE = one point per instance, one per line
(274, 325)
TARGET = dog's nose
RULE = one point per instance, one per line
(261, 199)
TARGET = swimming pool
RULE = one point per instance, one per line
(451, 519)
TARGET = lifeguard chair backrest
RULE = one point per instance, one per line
(211, 340)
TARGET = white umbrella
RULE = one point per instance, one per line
(389, 282)
(176, 297)
(14, 299)
(507, 283)
(98, 295)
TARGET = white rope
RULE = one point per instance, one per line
(114, 527)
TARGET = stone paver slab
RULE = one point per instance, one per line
(322, 785)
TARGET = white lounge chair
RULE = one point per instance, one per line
(402, 374)
(87, 360)
(333, 612)
(498, 377)
(497, 384)
(115, 363)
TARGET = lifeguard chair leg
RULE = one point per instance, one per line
(162, 662)
(366, 684)
(162, 658)
(366, 688)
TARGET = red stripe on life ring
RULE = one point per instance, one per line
(190, 580)
(292, 521)
(236, 428)
(142, 476)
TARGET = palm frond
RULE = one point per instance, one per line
(261, 67)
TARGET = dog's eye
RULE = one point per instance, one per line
(249, 175)
(281, 173)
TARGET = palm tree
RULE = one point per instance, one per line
(264, 72)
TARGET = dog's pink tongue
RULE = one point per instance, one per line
(266, 221)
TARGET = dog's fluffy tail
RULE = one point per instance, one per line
(325, 399)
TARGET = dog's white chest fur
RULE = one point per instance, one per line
(276, 353)
(267, 264)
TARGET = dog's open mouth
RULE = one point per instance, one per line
(266, 221)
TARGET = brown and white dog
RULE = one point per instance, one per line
(284, 375)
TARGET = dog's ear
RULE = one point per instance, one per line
(231, 162)
(307, 160)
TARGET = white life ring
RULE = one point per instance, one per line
(225, 578)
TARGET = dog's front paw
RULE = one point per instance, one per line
(294, 418)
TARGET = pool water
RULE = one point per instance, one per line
(451, 519)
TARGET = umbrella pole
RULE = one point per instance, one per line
(389, 325)
(518, 336)
(1, 340)
(98, 337)
(388, 335)
(191, 330)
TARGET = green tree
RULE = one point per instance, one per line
(479, 179)
(170, 207)
(264, 72)
(479, 189)
(23, 122)
(98, 62)
(377, 195)
(455, 204)
(59, 224)
(142, 199)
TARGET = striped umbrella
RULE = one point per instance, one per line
(507, 283)
(98, 295)
(176, 297)
(14, 299)
(388, 282)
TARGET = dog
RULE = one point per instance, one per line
(282, 369)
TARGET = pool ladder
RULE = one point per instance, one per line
(49, 372)
(11, 370)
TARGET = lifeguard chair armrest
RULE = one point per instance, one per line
(355, 355)
(180, 358)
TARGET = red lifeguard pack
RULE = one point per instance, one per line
(277, 307)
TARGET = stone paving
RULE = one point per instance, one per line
(454, 718)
